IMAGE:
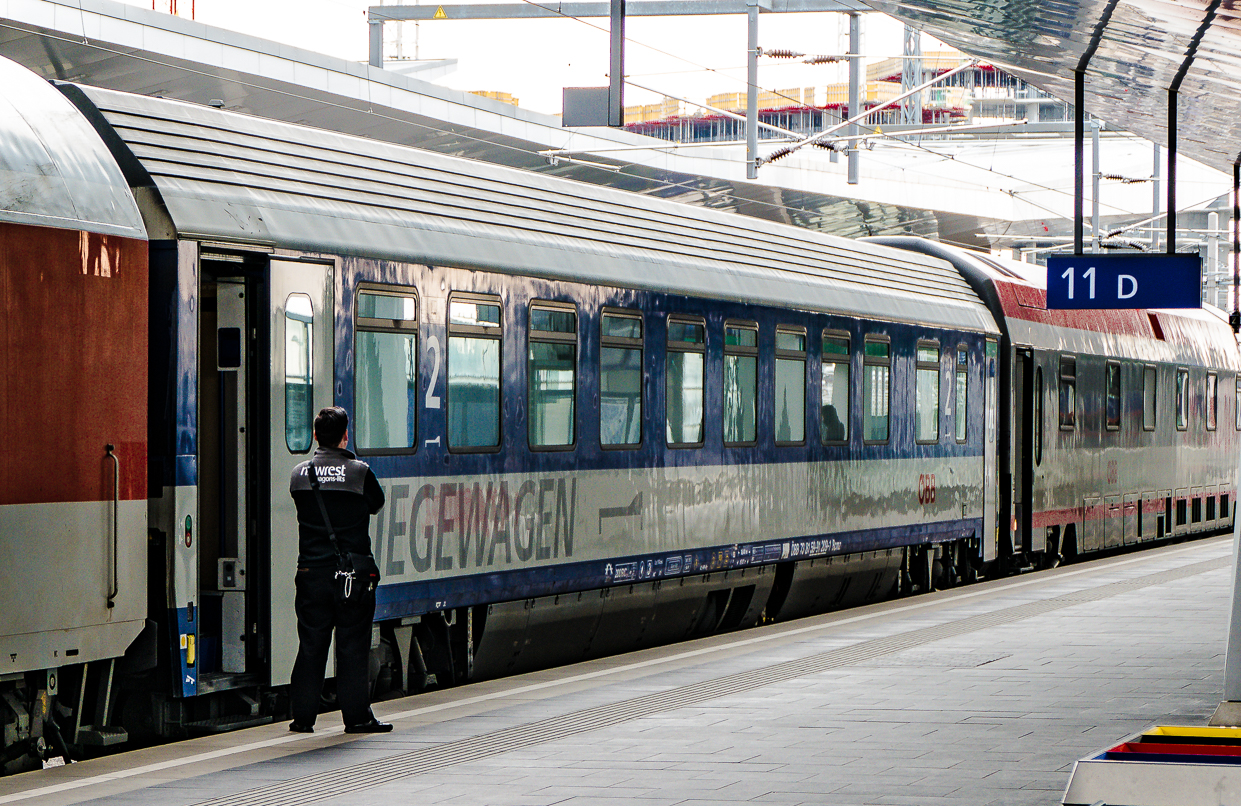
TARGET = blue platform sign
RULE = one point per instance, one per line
(1124, 281)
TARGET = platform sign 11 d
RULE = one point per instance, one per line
(1124, 281)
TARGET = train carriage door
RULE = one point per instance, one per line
(1023, 448)
(302, 357)
(990, 487)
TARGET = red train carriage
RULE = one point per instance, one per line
(73, 404)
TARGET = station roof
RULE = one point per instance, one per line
(1144, 48)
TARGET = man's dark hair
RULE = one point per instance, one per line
(330, 426)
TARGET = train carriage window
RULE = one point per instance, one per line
(1068, 393)
(1182, 399)
(790, 386)
(740, 383)
(299, 383)
(1212, 401)
(684, 382)
(962, 392)
(1112, 387)
(876, 381)
(620, 379)
(834, 416)
(386, 361)
(1236, 407)
(474, 332)
(1149, 380)
(926, 393)
(551, 376)
(1038, 416)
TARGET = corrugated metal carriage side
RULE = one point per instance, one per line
(1121, 426)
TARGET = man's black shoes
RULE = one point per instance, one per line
(374, 726)
(297, 727)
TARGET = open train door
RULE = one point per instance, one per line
(302, 355)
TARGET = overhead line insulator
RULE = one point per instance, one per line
(821, 59)
(780, 53)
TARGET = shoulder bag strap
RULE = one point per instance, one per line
(331, 532)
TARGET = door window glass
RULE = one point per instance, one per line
(298, 372)
(385, 400)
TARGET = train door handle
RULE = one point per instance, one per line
(115, 587)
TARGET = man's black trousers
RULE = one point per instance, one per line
(318, 612)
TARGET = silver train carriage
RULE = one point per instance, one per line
(1119, 427)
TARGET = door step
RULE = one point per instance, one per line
(224, 724)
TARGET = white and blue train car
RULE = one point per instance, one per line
(602, 421)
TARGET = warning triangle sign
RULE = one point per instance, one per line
(439, 14)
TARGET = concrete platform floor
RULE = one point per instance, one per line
(979, 695)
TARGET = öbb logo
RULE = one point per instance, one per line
(926, 488)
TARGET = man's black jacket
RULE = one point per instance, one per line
(351, 494)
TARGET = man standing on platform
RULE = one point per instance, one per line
(350, 499)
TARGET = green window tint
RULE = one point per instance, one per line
(740, 337)
(620, 380)
(877, 349)
(687, 332)
(791, 341)
(621, 326)
(835, 345)
(299, 384)
(553, 321)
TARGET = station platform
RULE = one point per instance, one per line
(978, 695)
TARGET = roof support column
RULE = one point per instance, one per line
(751, 91)
(376, 26)
(1171, 219)
(616, 80)
(1079, 158)
(855, 91)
